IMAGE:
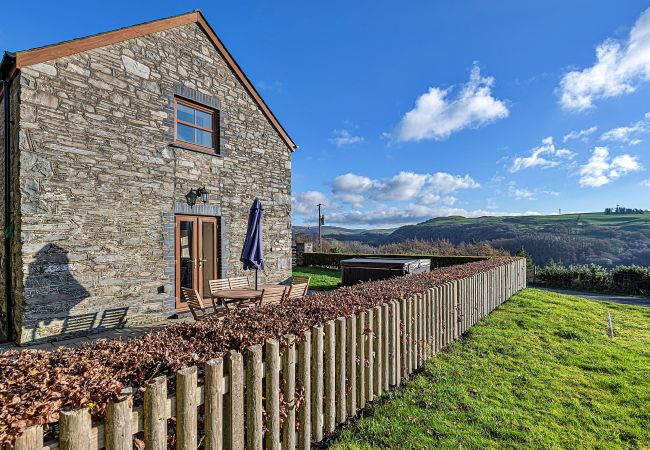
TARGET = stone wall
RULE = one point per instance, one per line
(100, 180)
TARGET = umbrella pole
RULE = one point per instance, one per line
(256, 279)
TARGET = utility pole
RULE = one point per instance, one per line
(320, 223)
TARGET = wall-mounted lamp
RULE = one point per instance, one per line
(194, 194)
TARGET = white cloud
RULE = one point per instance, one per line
(600, 170)
(580, 134)
(628, 134)
(437, 116)
(412, 213)
(526, 194)
(344, 137)
(646, 183)
(422, 188)
(620, 68)
(520, 193)
(305, 202)
(270, 86)
(545, 156)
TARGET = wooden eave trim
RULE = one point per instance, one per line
(50, 52)
(39, 55)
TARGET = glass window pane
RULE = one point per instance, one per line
(204, 138)
(184, 113)
(185, 133)
(187, 254)
(203, 119)
(208, 253)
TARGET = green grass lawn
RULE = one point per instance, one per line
(321, 279)
(540, 372)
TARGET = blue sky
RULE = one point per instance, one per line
(433, 108)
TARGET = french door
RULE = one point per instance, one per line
(196, 255)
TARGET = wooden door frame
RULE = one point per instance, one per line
(197, 247)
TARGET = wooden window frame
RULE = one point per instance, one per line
(214, 130)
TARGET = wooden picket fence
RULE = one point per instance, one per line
(326, 378)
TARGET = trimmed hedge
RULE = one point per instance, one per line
(634, 280)
(334, 259)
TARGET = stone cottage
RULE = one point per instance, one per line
(131, 160)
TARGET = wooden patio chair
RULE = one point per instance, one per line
(239, 282)
(197, 308)
(299, 279)
(297, 291)
(273, 295)
(218, 285)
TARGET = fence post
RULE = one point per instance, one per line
(456, 324)
(421, 314)
(304, 383)
(234, 418)
(317, 383)
(330, 377)
(393, 355)
(155, 414)
(425, 326)
(378, 348)
(74, 430)
(410, 354)
(118, 430)
(474, 299)
(351, 365)
(272, 393)
(186, 413)
(414, 333)
(404, 339)
(253, 365)
(213, 404)
(450, 314)
(369, 336)
(432, 344)
(385, 346)
(31, 439)
(341, 341)
(361, 360)
(289, 391)
(434, 321)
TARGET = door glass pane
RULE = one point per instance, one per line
(185, 133)
(186, 252)
(208, 255)
(203, 138)
(203, 119)
(184, 113)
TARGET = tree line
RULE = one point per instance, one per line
(623, 210)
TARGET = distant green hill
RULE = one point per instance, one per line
(606, 239)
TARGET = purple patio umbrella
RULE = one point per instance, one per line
(252, 255)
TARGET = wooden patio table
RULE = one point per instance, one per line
(268, 286)
(238, 296)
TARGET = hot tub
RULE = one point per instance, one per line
(356, 270)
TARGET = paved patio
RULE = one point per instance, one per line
(116, 333)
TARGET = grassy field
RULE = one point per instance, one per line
(321, 279)
(540, 372)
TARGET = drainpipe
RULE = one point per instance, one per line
(8, 229)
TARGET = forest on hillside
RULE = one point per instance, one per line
(605, 239)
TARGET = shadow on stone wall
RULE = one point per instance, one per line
(52, 292)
